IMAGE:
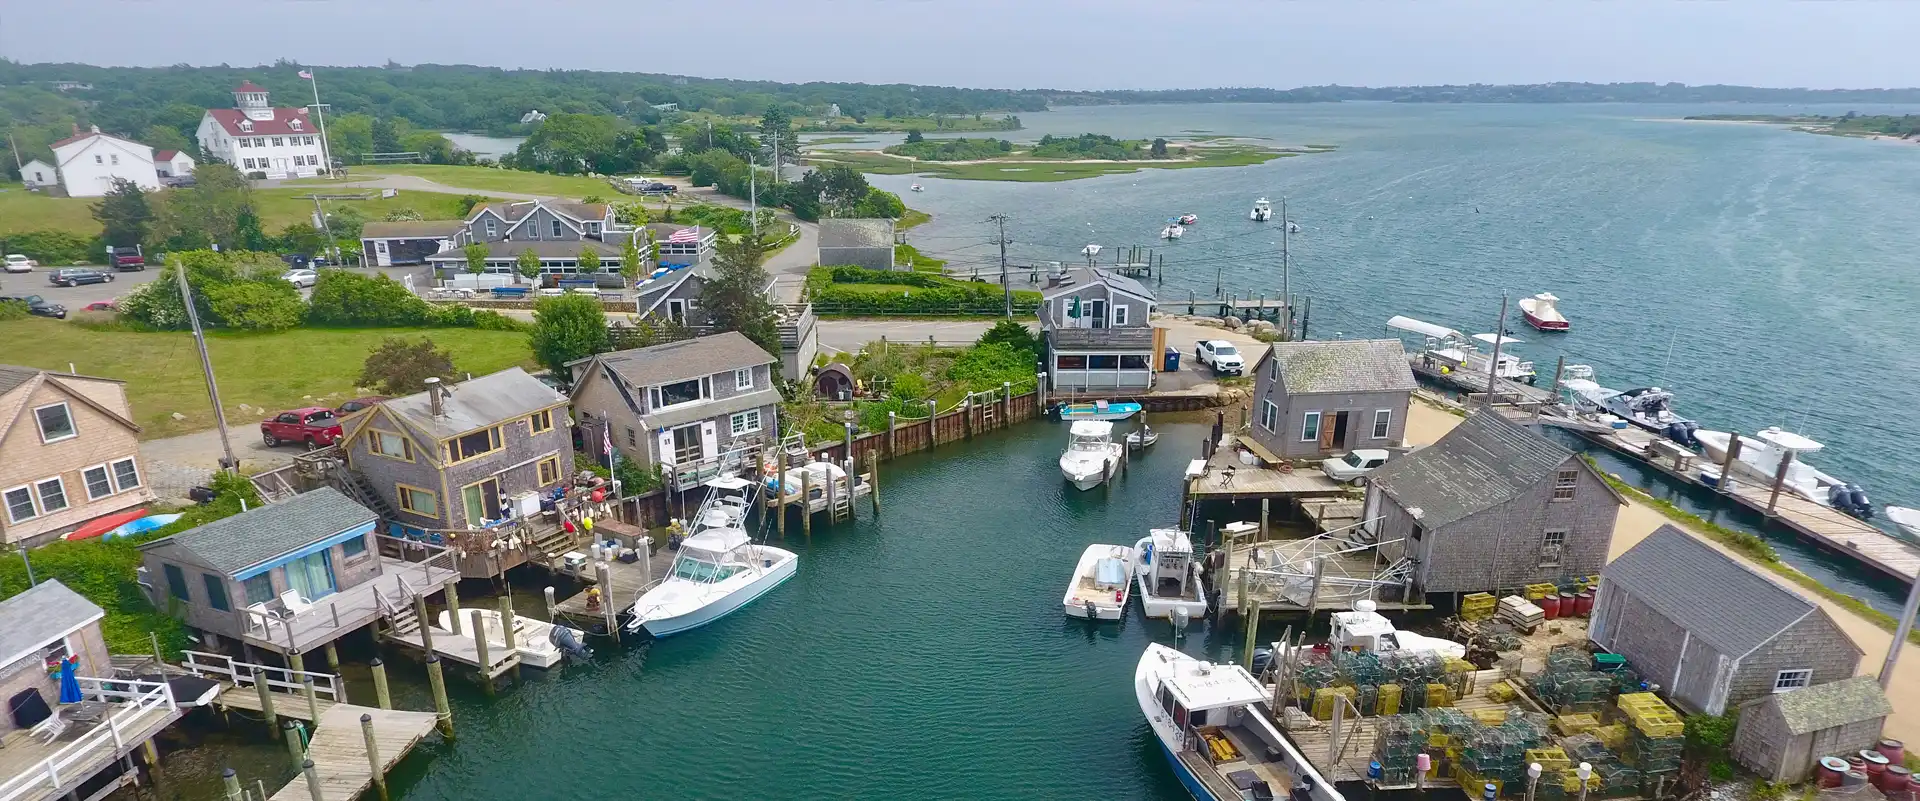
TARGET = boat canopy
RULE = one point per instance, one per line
(1422, 328)
(1201, 685)
(729, 482)
(1092, 428)
(1495, 339)
(716, 540)
(1789, 440)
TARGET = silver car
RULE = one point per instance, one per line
(303, 278)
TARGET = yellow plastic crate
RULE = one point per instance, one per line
(1437, 740)
(1439, 695)
(1537, 591)
(1613, 736)
(1502, 692)
(1567, 725)
(1570, 783)
(1477, 606)
(1547, 757)
(1388, 701)
(1490, 716)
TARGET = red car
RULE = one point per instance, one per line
(315, 426)
(103, 305)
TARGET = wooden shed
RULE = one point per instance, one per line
(1782, 736)
(834, 382)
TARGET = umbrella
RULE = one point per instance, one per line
(69, 686)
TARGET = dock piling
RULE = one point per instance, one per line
(380, 693)
(480, 648)
(1779, 479)
(296, 662)
(780, 493)
(232, 781)
(1253, 629)
(892, 420)
(806, 502)
(266, 700)
(873, 479)
(373, 755)
(453, 607)
(313, 780)
(603, 576)
(441, 709)
(1313, 597)
(548, 595)
(1726, 465)
(333, 659)
(1264, 518)
(426, 628)
(313, 701)
(296, 750)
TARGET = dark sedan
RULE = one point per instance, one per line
(38, 306)
(75, 276)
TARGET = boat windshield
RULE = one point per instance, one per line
(695, 569)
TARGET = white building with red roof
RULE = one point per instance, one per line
(255, 137)
(89, 162)
(172, 163)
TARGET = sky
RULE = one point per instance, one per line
(1060, 44)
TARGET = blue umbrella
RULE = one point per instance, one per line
(69, 686)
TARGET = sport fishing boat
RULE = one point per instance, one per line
(1262, 211)
(1542, 311)
(1188, 219)
(1650, 408)
(1097, 410)
(1905, 520)
(1446, 351)
(533, 640)
(1172, 231)
(1099, 588)
(1169, 576)
(717, 572)
(1759, 463)
(1092, 456)
(916, 188)
(1214, 723)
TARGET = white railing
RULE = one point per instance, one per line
(115, 736)
(326, 686)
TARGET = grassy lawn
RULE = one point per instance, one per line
(912, 218)
(1017, 168)
(496, 180)
(274, 371)
(21, 211)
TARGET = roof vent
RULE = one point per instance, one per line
(434, 404)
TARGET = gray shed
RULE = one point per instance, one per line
(860, 243)
(1313, 399)
(1782, 736)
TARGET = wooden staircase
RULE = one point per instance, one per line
(356, 487)
(400, 613)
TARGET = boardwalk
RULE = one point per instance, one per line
(627, 582)
(339, 749)
(284, 705)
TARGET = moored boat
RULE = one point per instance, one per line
(1097, 410)
(1214, 723)
(1760, 458)
(1906, 520)
(1142, 439)
(715, 574)
(534, 641)
(1172, 231)
(1542, 311)
(1650, 408)
(916, 188)
(1188, 219)
(1100, 586)
(1262, 211)
(1169, 576)
(1091, 456)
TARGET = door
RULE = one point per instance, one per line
(687, 445)
(1097, 310)
(280, 165)
(677, 311)
(312, 575)
(482, 501)
(381, 258)
(1327, 427)
(1340, 421)
(709, 440)
(665, 452)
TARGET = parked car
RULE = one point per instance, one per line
(314, 425)
(180, 181)
(75, 276)
(1220, 355)
(1353, 467)
(657, 188)
(357, 404)
(38, 306)
(127, 258)
(103, 305)
(301, 277)
(16, 263)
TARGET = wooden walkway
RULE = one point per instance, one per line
(626, 581)
(462, 649)
(284, 705)
(339, 749)
(1253, 482)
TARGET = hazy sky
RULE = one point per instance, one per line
(1069, 44)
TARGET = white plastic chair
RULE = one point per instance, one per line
(294, 603)
(51, 728)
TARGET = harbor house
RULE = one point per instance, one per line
(401, 242)
(69, 453)
(1316, 399)
(686, 406)
(1491, 506)
(1713, 631)
(1781, 736)
(555, 231)
(1097, 333)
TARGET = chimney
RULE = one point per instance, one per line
(94, 128)
(76, 128)
(433, 398)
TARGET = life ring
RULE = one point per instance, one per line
(1286, 467)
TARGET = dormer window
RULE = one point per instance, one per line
(246, 125)
(492, 231)
(294, 124)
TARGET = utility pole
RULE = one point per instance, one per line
(1286, 267)
(319, 113)
(320, 221)
(17, 163)
(1899, 634)
(1005, 286)
(1493, 365)
(206, 367)
(709, 134)
(776, 156)
(753, 195)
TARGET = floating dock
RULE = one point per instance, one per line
(338, 750)
(625, 582)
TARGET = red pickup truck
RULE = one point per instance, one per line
(315, 426)
(127, 258)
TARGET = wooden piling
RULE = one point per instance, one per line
(1264, 536)
(333, 659)
(507, 620)
(966, 418)
(296, 662)
(1006, 403)
(833, 506)
(313, 701)
(313, 780)
(441, 709)
(480, 648)
(1726, 464)
(380, 692)
(1779, 480)
(426, 624)
(1221, 572)
(806, 502)
(232, 781)
(453, 606)
(373, 755)
(892, 421)
(1252, 615)
(780, 494)
(266, 701)
(873, 479)
(603, 574)
(1319, 573)
(296, 750)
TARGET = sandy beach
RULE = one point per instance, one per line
(1425, 423)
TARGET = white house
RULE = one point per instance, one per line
(253, 136)
(90, 162)
(37, 174)
(172, 163)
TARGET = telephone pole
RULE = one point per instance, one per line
(753, 196)
(1006, 286)
(776, 156)
(206, 366)
(1286, 266)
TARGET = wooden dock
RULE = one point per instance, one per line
(625, 582)
(1249, 481)
(462, 649)
(1475, 381)
(284, 704)
(339, 750)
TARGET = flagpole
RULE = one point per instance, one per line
(326, 153)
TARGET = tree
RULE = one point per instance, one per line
(350, 136)
(879, 204)
(776, 129)
(630, 261)
(476, 257)
(247, 233)
(1012, 334)
(386, 135)
(567, 328)
(528, 265)
(124, 215)
(589, 260)
(346, 222)
(166, 137)
(400, 367)
(914, 135)
(734, 298)
(209, 212)
(302, 237)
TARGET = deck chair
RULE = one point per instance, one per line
(51, 728)
(294, 603)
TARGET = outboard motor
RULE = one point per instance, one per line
(1262, 659)
(568, 641)
(1851, 499)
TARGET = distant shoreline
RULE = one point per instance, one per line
(1873, 127)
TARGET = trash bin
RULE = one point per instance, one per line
(1170, 363)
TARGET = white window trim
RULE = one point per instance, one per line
(1315, 417)
(743, 378)
(32, 502)
(104, 470)
(1804, 675)
(71, 423)
(1379, 416)
(654, 393)
(1119, 314)
(115, 474)
(40, 500)
(1559, 552)
(492, 228)
(1269, 416)
(736, 422)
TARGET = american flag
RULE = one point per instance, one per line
(306, 74)
(606, 444)
(685, 235)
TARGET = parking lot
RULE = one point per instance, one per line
(76, 298)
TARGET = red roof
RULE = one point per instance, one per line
(72, 139)
(230, 119)
(250, 86)
(165, 155)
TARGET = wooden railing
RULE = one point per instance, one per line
(116, 735)
(325, 685)
(326, 613)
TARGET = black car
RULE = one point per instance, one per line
(38, 306)
(75, 276)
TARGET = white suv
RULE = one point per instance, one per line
(1353, 467)
(1220, 355)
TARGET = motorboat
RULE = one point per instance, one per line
(1099, 589)
(1172, 231)
(716, 572)
(1092, 456)
(1188, 219)
(533, 640)
(1090, 251)
(916, 188)
(1366, 630)
(1215, 724)
(1650, 408)
(1262, 211)
(1142, 439)
(1169, 576)
(1097, 410)
(1294, 227)
(1759, 463)
(1906, 520)
(1542, 311)
(822, 481)
(1447, 351)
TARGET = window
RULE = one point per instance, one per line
(1103, 362)
(245, 142)
(355, 547)
(549, 470)
(246, 164)
(276, 141)
(98, 160)
(745, 422)
(1135, 361)
(177, 583)
(540, 421)
(670, 395)
(632, 442)
(98, 484)
(556, 229)
(1270, 416)
(1119, 314)
(309, 140)
(56, 423)
(1310, 427)
(474, 444)
(1792, 680)
(53, 495)
(533, 231)
(392, 446)
(1382, 423)
(115, 158)
(294, 124)
(259, 588)
(1552, 543)
(1564, 483)
(216, 591)
(126, 475)
(743, 378)
(492, 230)
(246, 125)
(20, 505)
(418, 501)
(1069, 362)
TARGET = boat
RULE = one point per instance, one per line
(1906, 520)
(1650, 408)
(1262, 211)
(1097, 410)
(1099, 588)
(1142, 439)
(533, 640)
(1447, 351)
(1092, 456)
(1090, 251)
(1169, 576)
(1541, 311)
(1189, 218)
(717, 572)
(915, 188)
(1759, 463)
(1294, 227)
(1215, 725)
(729, 497)
(1366, 630)
(1172, 231)
(814, 478)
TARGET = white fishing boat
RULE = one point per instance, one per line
(533, 640)
(1172, 231)
(1099, 588)
(1214, 722)
(1650, 408)
(1262, 211)
(1091, 456)
(1542, 311)
(1090, 251)
(1169, 576)
(715, 574)
(1366, 630)
(1189, 219)
(1446, 351)
(822, 481)
(1142, 439)
(916, 188)
(1905, 520)
(1759, 463)
(729, 497)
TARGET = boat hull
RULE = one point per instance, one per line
(1100, 611)
(1084, 483)
(661, 628)
(1545, 325)
(1160, 607)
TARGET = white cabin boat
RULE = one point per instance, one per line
(1172, 232)
(916, 188)
(729, 498)
(1450, 351)
(1759, 463)
(532, 639)
(1366, 630)
(1169, 576)
(1543, 312)
(814, 478)
(1092, 456)
(1143, 438)
(1906, 520)
(1650, 408)
(1214, 722)
(1262, 211)
(716, 573)
(1100, 586)
(1189, 219)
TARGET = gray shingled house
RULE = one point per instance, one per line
(1491, 506)
(1711, 630)
(684, 406)
(555, 231)
(858, 243)
(1315, 399)
(287, 577)
(1095, 326)
(1782, 736)
(400, 242)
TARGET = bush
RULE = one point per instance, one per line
(13, 310)
(988, 367)
(1012, 334)
(342, 298)
(272, 305)
(930, 294)
(53, 248)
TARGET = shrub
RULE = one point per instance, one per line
(342, 298)
(1012, 334)
(987, 367)
(13, 310)
(401, 367)
(272, 305)
(52, 247)
(930, 294)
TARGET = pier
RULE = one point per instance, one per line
(347, 743)
(619, 586)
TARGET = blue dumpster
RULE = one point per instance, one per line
(1170, 362)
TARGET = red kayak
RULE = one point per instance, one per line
(102, 525)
